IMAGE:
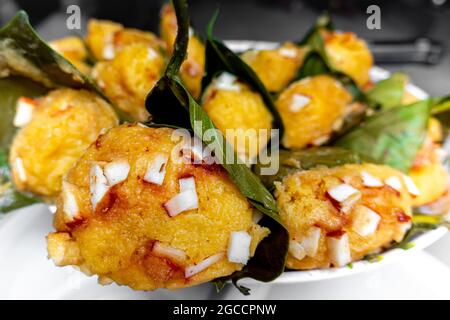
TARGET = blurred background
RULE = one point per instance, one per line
(413, 38)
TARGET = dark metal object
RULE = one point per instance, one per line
(422, 50)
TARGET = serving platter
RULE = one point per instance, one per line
(25, 271)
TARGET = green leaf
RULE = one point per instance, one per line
(181, 41)
(440, 105)
(421, 224)
(247, 182)
(291, 161)
(29, 67)
(23, 52)
(441, 110)
(313, 65)
(387, 93)
(392, 137)
(180, 109)
(10, 90)
(323, 22)
(10, 199)
(317, 62)
(219, 58)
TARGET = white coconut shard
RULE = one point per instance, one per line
(191, 32)
(447, 217)
(342, 192)
(339, 250)
(310, 241)
(183, 201)
(239, 247)
(108, 51)
(204, 264)
(156, 170)
(24, 112)
(116, 172)
(70, 204)
(365, 221)
(226, 81)
(193, 149)
(395, 183)
(296, 250)
(288, 52)
(411, 186)
(298, 102)
(321, 140)
(370, 181)
(338, 124)
(187, 184)
(442, 154)
(98, 185)
(20, 169)
(167, 251)
(402, 228)
(151, 54)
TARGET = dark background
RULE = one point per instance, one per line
(273, 20)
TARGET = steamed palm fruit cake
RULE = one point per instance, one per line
(105, 38)
(311, 110)
(55, 131)
(74, 50)
(338, 215)
(131, 62)
(193, 67)
(276, 68)
(349, 55)
(132, 213)
(428, 172)
(235, 107)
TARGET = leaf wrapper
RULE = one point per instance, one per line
(391, 137)
(317, 62)
(297, 160)
(29, 67)
(171, 103)
(23, 52)
(385, 94)
(219, 58)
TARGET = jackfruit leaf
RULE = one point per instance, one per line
(441, 110)
(421, 224)
(440, 105)
(316, 60)
(323, 22)
(291, 161)
(11, 89)
(182, 110)
(23, 52)
(385, 94)
(29, 67)
(392, 137)
(388, 93)
(219, 58)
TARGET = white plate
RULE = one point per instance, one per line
(26, 273)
